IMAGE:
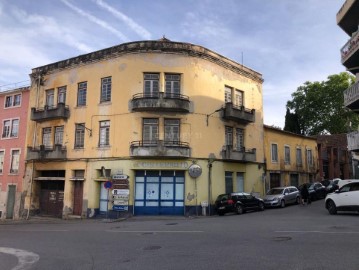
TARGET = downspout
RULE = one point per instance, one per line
(38, 80)
(30, 201)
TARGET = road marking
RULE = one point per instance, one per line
(14, 230)
(25, 258)
(317, 232)
(155, 231)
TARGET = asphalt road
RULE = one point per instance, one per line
(296, 237)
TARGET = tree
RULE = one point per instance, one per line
(291, 122)
(318, 107)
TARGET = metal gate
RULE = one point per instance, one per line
(10, 201)
(159, 193)
(52, 198)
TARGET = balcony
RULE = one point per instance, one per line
(351, 97)
(160, 102)
(238, 113)
(353, 141)
(350, 54)
(242, 154)
(347, 16)
(159, 148)
(46, 152)
(61, 111)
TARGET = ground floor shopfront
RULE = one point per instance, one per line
(88, 188)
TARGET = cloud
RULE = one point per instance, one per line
(50, 27)
(141, 31)
(96, 20)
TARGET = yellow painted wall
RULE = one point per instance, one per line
(202, 80)
(294, 141)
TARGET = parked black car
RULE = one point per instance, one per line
(238, 202)
(317, 191)
(333, 186)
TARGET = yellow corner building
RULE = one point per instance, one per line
(142, 128)
(291, 159)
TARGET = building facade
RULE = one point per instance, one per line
(291, 159)
(13, 121)
(334, 157)
(348, 21)
(150, 127)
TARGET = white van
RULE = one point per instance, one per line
(345, 181)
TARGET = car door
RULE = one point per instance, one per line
(293, 195)
(250, 201)
(353, 195)
(286, 193)
(341, 198)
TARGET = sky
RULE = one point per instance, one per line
(288, 41)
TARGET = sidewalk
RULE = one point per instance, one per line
(53, 220)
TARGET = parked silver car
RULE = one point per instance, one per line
(281, 196)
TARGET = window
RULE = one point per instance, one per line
(79, 135)
(151, 84)
(239, 139)
(229, 136)
(104, 139)
(10, 128)
(150, 131)
(228, 94)
(17, 100)
(79, 174)
(309, 157)
(172, 131)
(13, 101)
(274, 152)
(8, 101)
(15, 158)
(81, 94)
(50, 94)
(105, 89)
(299, 157)
(46, 137)
(2, 154)
(286, 154)
(228, 177)
(59, 134)
(61, 96)
(173, 82)
(238, 98)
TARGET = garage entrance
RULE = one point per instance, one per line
(52, 198)
(159, 193)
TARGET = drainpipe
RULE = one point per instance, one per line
(211, 159)
(32, 179)
(38, 80)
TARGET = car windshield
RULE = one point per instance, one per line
(275, 191)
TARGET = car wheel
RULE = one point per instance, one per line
(282, 203)
(220, 213)
(297, 201)
(261, 206)
(239, 209)
(332, 209)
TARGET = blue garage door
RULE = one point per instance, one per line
(159, 193)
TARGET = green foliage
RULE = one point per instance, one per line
(318, 107)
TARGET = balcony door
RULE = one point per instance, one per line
(150, 131)
(172, 131)
(151, 84)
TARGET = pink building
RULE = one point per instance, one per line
(13, 124)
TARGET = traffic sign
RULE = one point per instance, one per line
(108, 184)
(120, 208)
